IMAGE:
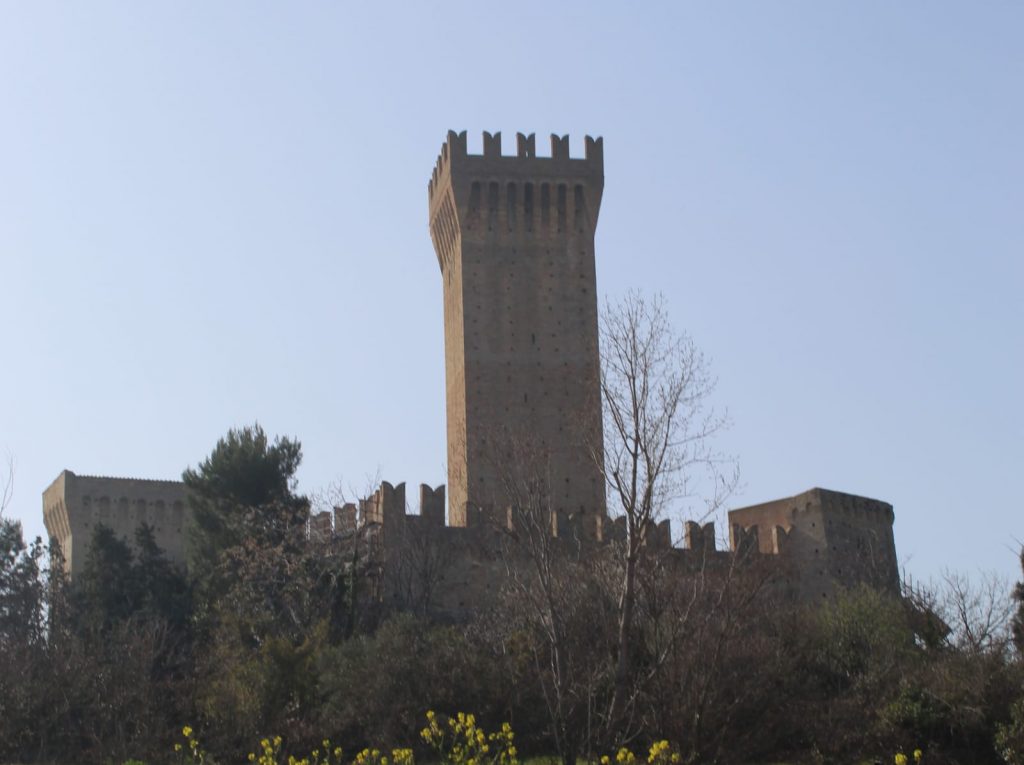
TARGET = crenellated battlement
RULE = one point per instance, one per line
(698, 537)
(744, 539)
(455, 157)
(818, 541)
(491, 195)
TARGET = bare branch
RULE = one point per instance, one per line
(7, 483)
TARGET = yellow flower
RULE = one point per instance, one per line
(277, 741)
(177, 747)
(252, 757)
(606, 760)
(900, 759)
(657, 749)
(186, 731)
(918, 754)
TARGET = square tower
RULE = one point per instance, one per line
(830, 539)
(514, 238)
(73, 505)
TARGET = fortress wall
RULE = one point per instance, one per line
(861, 546)
(829, 538)
(812, 543)
(320, 526)
(796, 556)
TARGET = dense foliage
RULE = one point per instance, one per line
(273, 633)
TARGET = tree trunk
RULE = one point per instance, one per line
(624, 659)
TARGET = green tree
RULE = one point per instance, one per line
(1009, 739)
(163, 590)
(118, 583)
(106, 592)
(247, 483)
(22, 591)
(266, 597)
(22, 640)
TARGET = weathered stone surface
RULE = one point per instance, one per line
(514, 237)
(74, 505)
(830, 538)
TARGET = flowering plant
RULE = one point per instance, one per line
(462, 742)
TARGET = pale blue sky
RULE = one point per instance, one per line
(213, 213)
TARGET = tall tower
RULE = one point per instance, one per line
(515, 241)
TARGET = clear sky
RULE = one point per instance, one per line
(216, 213)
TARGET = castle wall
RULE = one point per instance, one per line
(861, 546)
(74, 505)
(515, 242)
(809, 546)
(829, 539)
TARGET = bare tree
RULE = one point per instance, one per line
(553, 591)
(658, 435)
(7, 484)
(548, 591)
(979, 613)
(1017, 623)
(419, 558)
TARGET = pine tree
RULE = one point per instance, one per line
(106, 592)
(245, 486)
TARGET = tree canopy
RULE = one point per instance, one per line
(247, 481)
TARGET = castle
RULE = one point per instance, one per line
(514, 238)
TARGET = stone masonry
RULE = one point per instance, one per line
(812, 545)
(74, 505)
(830, 539)
(514, 237)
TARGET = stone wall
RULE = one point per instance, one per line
(831, 539)
(811, 545)
(817, 541)
(74, 505)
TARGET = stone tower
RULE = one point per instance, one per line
(73, 505)
(514, 237)
(830, 539)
